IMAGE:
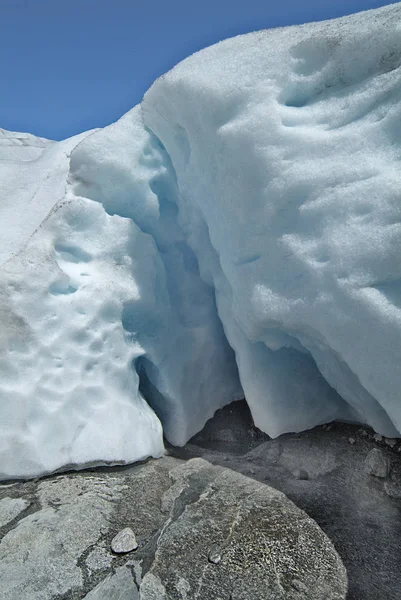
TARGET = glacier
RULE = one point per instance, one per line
(238, 234)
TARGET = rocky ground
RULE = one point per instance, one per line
(215, 527)
(326, 472)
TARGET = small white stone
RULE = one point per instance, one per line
(124, 541)
(351, 441)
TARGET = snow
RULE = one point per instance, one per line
(238, 233)
(21, 146)
(68, 395)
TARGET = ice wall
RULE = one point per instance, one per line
(239, 233)
(286, 146)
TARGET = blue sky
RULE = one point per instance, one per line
(71, 65)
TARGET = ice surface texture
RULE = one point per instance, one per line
(241, 230)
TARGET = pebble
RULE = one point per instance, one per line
(377, 437)
(391, 442)
(299, 586)
(377, 463)
(352, 441)
(214, 555)
(392, 489)
(301, 474)
(124, 541)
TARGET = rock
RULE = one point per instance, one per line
(259, 533)
(377, 437)
(391, 442)
(301, 474)
(152, 588)
(124, 541)
(99, 559)
(10, 508)
(299, 586)
(377, 463)
(352, 441)
(120, 586)
(205, 532)
(226, 435)
(393, 489)
(39, 556)
(214, 555)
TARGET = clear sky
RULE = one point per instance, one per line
(71, 65)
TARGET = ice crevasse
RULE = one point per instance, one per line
(237, 234)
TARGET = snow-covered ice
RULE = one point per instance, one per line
(238, 233)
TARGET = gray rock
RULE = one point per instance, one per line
(377, 463)
(214, 555)
(391, 442)
(10, 508)
(352, 441)
(152, 588)
(120, 586)
(206, 532)
(226, 435)
(301, 474)
(377, 437)
(265, 540)
(99, 559)
(355, 511)
(124, 541)
(393, 489)
(299, 586)
(38, 557)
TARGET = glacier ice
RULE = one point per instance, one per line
(239, 233)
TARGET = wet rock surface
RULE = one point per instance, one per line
(203, 532)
